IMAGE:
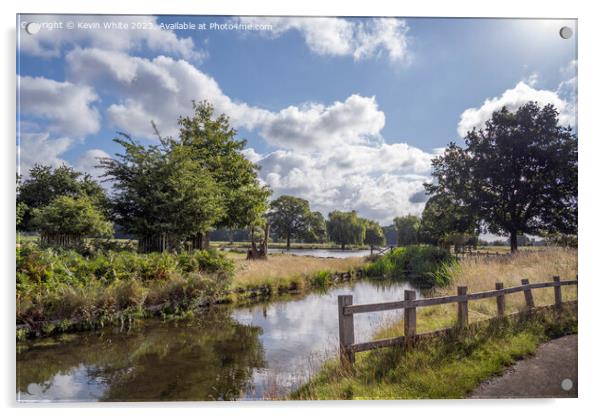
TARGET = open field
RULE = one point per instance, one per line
(447, 370)
(282, 270)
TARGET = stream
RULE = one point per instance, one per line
(225, 353)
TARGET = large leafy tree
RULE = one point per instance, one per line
(161, 193)
(317, 228)
(375, 235)
(518, 173)
(407, 230)
(346, 228)
(290, 217)
(211, 142)
(46, 183)
(74, 217)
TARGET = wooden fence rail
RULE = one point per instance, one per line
(347, 309)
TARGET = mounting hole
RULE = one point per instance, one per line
(566, 32)
(32, 28)
(567, 384)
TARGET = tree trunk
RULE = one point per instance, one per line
(205, 243)
(343, 246)
(288, 242)
(266, 235)
(513, 241)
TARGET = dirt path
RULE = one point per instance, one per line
(539, 376)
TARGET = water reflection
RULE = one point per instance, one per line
(206, 359)
(226, 354)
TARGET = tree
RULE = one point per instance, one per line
(290, 217)
(316, 232)
(212, 144)
(345, 228)
(446, 223)
(46, 183)
(160, 194)
(67, 220)
(375, 235)
(518, 173)
(390, 234)
(407, 230)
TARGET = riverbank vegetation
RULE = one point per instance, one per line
(449, 368)
(62, 289)
(423, 266)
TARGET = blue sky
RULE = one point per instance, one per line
(346, 112)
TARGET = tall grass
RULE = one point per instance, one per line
(284, 271)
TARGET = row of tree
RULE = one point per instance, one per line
(517, 175)
(291, 218)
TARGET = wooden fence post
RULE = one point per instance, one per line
(557, 292)
(528, 294)
(501, 300)
(346, 335)
(462, 307)
(409, 318)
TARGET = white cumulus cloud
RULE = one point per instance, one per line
(67, 107)
(512, 99)
(361, 39)
(39, 148)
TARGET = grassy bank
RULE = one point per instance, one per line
(451, 368)
(285, 272)
(59, 290)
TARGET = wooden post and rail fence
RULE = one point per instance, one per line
(409, 304)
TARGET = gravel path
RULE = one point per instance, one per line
(543, 375)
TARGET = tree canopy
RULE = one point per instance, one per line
(407, 230)
(211, 143)
(159, 191)
(375, 235)
(290, 217)
(317, 228)
(346, 228)
(46, 183)
(518, 173)
(445, 223)
(72, 216)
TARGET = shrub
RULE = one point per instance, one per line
(421, 265)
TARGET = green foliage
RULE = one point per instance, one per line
(447, 223)
(46, 183)
(75, 216)
(518, 173)
(186, 186)
(211, 143)
(161, 192)
(346, 228)
(290, 217)
(375, 235)
(317, 229)
(421, 265)
(407, 230)
(61, 284)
